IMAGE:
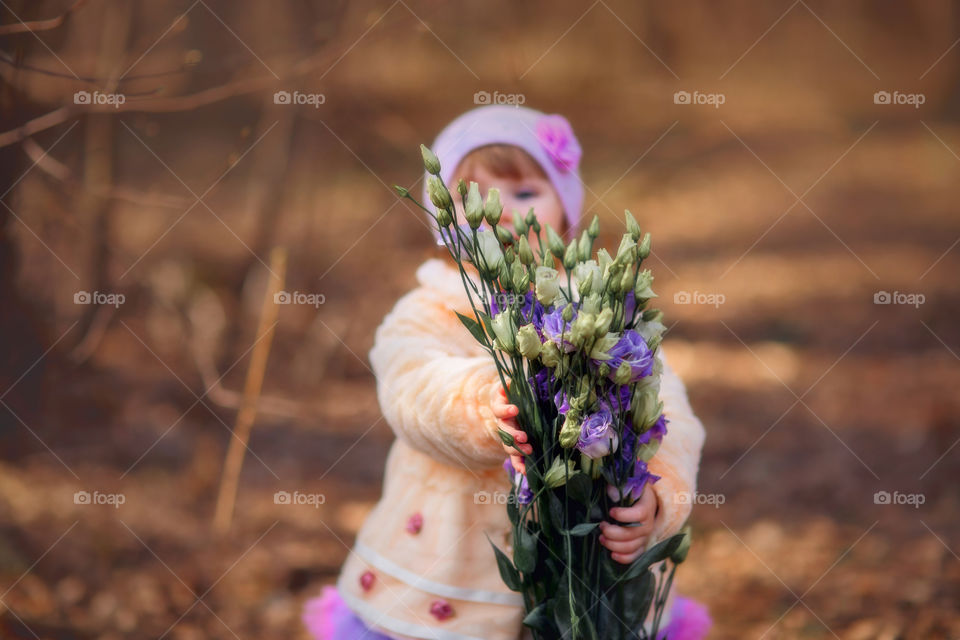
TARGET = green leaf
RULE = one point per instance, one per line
(579, 487)
(475, 329)
(540, 619)
(583, 528)
(637, 598)
(660, 551)
(508, 573)
(525, 550)
(512, 511)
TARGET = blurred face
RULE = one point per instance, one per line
(517, 195)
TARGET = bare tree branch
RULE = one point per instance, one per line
(40, 25)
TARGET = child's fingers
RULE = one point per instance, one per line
(624, 547)
(621, 534)
(640, 512)
(625, 558)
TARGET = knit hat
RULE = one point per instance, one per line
(549, 139)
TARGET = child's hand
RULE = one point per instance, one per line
(627, 543)
(505, 414)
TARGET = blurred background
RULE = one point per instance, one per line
(797, 165)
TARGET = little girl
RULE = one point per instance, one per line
(422, 565)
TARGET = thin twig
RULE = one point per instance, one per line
(40, 25)
(251, 392)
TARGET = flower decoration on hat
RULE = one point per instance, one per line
(556, 136)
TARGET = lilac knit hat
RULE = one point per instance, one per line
(549, 139)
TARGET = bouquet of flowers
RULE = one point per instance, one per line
(576, 353)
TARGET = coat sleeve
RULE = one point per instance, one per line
(678, 458)
(436, 392)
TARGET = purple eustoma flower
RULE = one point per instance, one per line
(597, 435)
(632, 349)
(557, 331)
(541, 382)
(657, 431)
(531, 310)
(524, 494)
(633, 487)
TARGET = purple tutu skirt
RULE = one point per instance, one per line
(327, 617)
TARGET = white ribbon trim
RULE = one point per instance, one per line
(367, 612)
(419, 582)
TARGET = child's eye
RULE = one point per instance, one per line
(524, 194)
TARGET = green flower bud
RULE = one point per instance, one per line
(626, 249)
(505, 331)
(570, 256)
(654, 342)
(554, 243)
(600, 349)
(652, 315)
(444, 218)
(462, 188)
(646, 451)
(503, 234)
(584, 246)
(550, 354)
(603, 370)
(594, 228)
(641, 289)
(547, 285)
(626, 281)
(490, 256)
(591, 304)
(505, 274)
(530, 217)
(623, 374)
(438, 193)
(643, 250)
(520, 277)
(519, 224)
(430, 162)
(492, 208)
(581, 329)
(556, 475)
(508, 255)
(632, 227)
(473, 209)
(593, 468)
(680, 553)
(567, 313)
(603, 322)
(528, 342)
(524, 251)
(570, 432)
(585, 286)
(403, 193)
(645, 408)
